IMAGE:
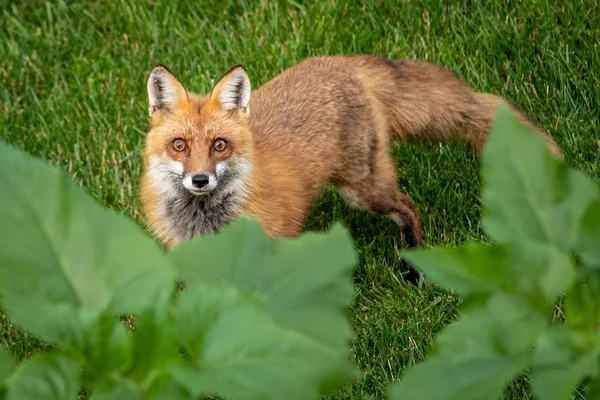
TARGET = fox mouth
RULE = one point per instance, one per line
(200, 191)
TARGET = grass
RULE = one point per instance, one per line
(73, 93)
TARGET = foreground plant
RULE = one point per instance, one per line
(259, 319)
(541, 216)
(262, 319)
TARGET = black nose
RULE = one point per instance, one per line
(200, 180)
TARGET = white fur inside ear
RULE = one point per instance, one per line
(162, 91)
(235, 92)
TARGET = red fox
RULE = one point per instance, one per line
(270, 152)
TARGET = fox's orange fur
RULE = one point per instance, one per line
(325, 120)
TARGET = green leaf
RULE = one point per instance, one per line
(528, 195)
(534, 207)
(102, 340)
(155, 347)
(171, 391)
(64, 261)
(118, 393)
(240, 352)
(476, 378)
(288, 297)
(45, 376)
(304, 283)
(7, 364)
(125, 391)
(583, 303)
(465, 270)
(505, 325)
(593, 390)
(589, 245)
(477, 356)
(535, 272)
(140, 357)
(563, 359)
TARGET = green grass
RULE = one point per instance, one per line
(73, 93)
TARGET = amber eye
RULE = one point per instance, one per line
(220, 145)
(179, 145)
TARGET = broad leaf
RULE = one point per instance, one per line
(45, 376)
(504, 326)
(298, 290)
(127, 391)
(120, 393)
(537, 273)
(305, 283)
(476, 379)
(239, 352)
(535, 208)
(64, 260)
(589, 244)
(154, 347)
(528, 195)
(583, 303)
(563, 359)
(7, 363)
(102, 341)
(593, 390)
(477, 356)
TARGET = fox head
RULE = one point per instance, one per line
(197, 143)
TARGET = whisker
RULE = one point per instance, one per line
(167, 169)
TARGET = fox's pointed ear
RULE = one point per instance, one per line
(165, 92)
(232, 92)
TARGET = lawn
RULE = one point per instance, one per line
(73, 93)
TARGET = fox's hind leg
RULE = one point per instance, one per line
(379, 193)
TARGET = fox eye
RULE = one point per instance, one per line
(219, 145)
(179, 145)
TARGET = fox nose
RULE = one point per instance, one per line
(200, 180)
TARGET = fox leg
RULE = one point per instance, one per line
(378, 193)
(393, 203)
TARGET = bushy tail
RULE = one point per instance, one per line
(425, 102)
(479, 124)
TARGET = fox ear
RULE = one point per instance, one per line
(164, 90)
(232, 92)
